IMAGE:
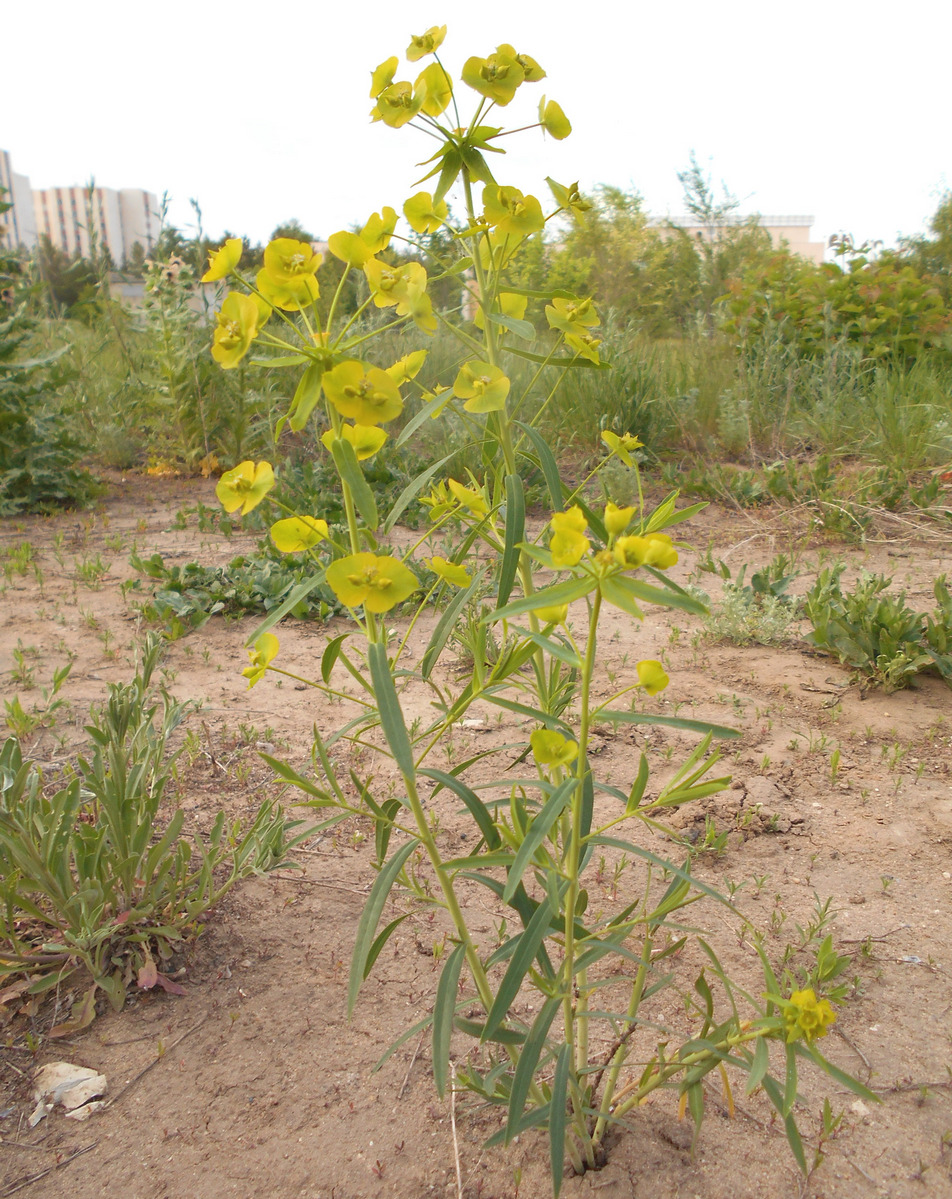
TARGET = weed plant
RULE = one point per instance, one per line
(561, 1039)
(96, 890)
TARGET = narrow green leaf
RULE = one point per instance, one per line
(696, 1104)
(790, 1084)
(555, 649)
(477, 809)
(537, 832)
(613, 716)
(370, 917)
(552, 360)
(444, 1009)
(759, 1067)
(550, 468)
(306, 395)
(790, 1125)
(523, 329)
(515, 532)
(380, 941)
(526, 1066)
(550, 721)
(446, 625)
(560, 593)
(638, 786)
(502, 1036)
(614, 591)
(527, 946)
(840, 1076)
(331, 654)
(349, 469)
(388, 705)
(281, 360)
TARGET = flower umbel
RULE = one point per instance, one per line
(245, 486)
(550, 748)
(806, 1016)
(377, 583)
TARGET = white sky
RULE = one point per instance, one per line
(837, 109)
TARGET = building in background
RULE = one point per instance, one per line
(19, 224)
(794, 230)
(77, 218)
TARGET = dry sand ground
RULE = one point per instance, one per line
(257, 1084)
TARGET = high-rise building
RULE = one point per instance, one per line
(18, 226)
(78, 218)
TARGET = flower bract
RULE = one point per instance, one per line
(450, 572)
(508, 304)
(408, 367)
(806, 1016)
(622, 446)
(264, 651)
(617, 519)
(550, 748)
(377, 583)
(297, 533)
(569, 543)
(423, 215)
(222, 262)
(426, 43)
(553, 120)
(509, 211)
(367, 396)
(496, 77)
(556, 614)
(239, 323)
(437, 88)
(652, 676)
(245, 486)
(654, 550)
(382, 77)
(367, 440)
(483, 386)
(469, 498)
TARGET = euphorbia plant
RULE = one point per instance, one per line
(544, 591)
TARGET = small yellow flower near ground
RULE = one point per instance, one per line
(509, 211)
(469, 498)
(569, 543)
(367, 440)
(297, 533)
(483, 386)
(239, 322)
(617, 519)
(450, 572)
(556, 614)
(368, 397)
(423, 216)
(496, 77)
(652, 676)
(622, 447)
(264, 651)
(222, 262)
(245, 486)
(550, 748)
(377, 583)
(806, 1016)
(426, 43)
(553, 120)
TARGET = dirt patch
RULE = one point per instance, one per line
(255, 1082)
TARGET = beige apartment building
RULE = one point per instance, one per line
(75, 218)
(18, 226)
(794, 230)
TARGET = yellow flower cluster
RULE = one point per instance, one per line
(806, 1016)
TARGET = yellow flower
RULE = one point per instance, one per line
(622, 447)
(617, 519)
(495, 77)
(654, 550)
(245, 486)
(379, 229)
(287, 279)
(508, 303)
(571, 316)
(369, 397)
(472, 499)
(265, 650)
(297, 533)
(377, 583)
(395, 285)
(426, 43)
(651, 676)
(569, 197)
(556, 614)
(349, 247)
(553, 120)
(509, 211)
(584, 344)
(222, 262)
(483, 386)
(408, 367)
(239, 323)
(437, 87)
(550, 748)
(450, 572)
(419, 307)
(569, 542)
(367, 440)
(423, 216)
(383, 76)
(531, 69)
(398, 103)
(806, 1016)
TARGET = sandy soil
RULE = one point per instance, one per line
(255, 1082)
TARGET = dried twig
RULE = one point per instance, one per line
(406, 1077)
(25, 1182)
(143, 1072)
(459, 1174)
